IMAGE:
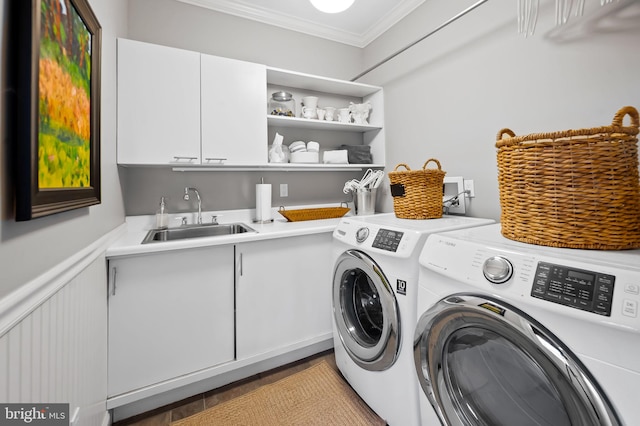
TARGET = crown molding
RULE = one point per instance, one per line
(295, 23)
(389, 20)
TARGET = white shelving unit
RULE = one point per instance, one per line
(336, 93)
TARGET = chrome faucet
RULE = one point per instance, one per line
(186, 198)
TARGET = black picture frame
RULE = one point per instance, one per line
(47, 99)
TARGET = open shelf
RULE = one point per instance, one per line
(319, 84)
(306, 123)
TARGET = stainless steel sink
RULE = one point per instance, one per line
(195, 231)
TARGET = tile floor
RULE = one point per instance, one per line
(163, 416)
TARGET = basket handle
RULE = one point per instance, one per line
(403, 165)
(503, 131)
(624, 111)
(424, 167)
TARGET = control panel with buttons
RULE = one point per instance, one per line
(577, 288)
(387, 239)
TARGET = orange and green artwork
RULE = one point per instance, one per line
(64, 98)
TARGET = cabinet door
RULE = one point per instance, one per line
(234, 111)
(170, 314)
(283, 293)
(158, 104)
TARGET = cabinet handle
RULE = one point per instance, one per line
(218, 159)
(178, 158)
(240, 264)
(115, 274)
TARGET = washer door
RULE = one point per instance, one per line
(365, 311)
(481, 361)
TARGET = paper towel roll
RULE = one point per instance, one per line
(263, 202)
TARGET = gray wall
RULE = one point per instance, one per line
(28, 249)
(227, 190)
(448, 96)
(171, 23)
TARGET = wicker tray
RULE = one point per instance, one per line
(574, 188)
(313, 214)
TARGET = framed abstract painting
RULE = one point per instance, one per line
(57, 130)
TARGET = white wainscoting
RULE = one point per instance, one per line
(53, 338)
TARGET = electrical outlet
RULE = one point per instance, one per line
(284, 190)
(454, 187)
(468, 186)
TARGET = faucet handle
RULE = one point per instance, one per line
(214, 219)
(182, 219)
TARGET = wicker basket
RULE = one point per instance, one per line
(417, 194)
(313, 214)
(574, 189)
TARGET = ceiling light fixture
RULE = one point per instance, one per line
(332, 6)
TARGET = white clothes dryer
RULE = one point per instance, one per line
(519, 334)
(375, 285)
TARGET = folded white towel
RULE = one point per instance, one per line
(340, 156)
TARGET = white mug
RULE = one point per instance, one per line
(344, 116)
(320, 112)
(359, 118)
(308, 112)
(329, 113)
(310, 101)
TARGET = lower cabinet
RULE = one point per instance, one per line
(183, 316)
(283, 293)
(170, 314)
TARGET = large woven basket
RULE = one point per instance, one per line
(574, 188)
(417, 194)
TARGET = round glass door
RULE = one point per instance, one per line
(365, 311)
(481, 361)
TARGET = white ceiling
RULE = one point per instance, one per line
(357, 26)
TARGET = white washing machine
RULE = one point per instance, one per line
(374, 304)
(518, 334)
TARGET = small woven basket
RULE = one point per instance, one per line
(417, 194)
(573, 189)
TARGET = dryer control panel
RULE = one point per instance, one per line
(387, 239)
(577, 288)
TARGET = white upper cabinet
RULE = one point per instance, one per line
(234, 125)
(194, 111)
(158, 104)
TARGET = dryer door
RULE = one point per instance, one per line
(365, 311)
(481, 361)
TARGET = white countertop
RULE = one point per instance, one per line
(130, 244)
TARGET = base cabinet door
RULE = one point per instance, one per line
(283, 292)
(170, 314)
